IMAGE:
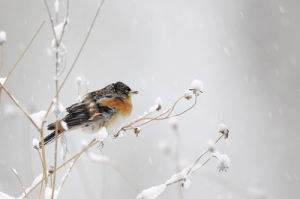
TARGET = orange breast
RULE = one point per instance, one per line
(124, 107)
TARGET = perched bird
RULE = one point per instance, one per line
(101, 108)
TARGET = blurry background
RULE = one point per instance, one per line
(246, 53)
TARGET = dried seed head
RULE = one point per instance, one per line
(137, 131)
(224, 130)
(188, 94)
(185, 183)
(51, 169)
(197, 86)
(158, 101)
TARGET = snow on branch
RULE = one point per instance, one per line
(195, 89)
(183, 177)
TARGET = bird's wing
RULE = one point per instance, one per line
(89, 111)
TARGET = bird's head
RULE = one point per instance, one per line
(123, 90)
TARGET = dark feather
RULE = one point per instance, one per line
(50, 138)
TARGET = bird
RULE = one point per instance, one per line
(101, 108)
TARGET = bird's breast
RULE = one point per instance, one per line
(123, 106)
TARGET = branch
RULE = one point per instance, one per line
(68, 74)
(24, 52)
(167, 114)
(180, 177)
(78, 155)
(19, 179)
(20, 107)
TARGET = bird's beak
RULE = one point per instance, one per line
(133, 93)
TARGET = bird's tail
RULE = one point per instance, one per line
(51, 137)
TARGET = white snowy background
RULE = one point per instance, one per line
(245, 51)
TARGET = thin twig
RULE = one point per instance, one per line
(24, 52)
(68, 173)
(92, 143)
(19, 106)
(27, 115)
(199, 158)
(191, 171)
(77, 55)
(69, 72)
(82, 46)
(122, 173)
(57, 44)
(204, 163)
(66, 20)
(51, 21)
(167, 114)
(177, 160)
(181, 179)
(41, 189)
(19, 179)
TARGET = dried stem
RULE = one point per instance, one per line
(68, 74)
(57, 120)
(24, 52)
(20, 57)
(19, 106)
(177, 161)
(78, 155)
(51, 21)
(191, 169)
(19, 179)
(68, 173)
(181, 179)
(13, 99)
(199, 158)
(41, 190)
(122, 173)
(162, 116)
(57, 45)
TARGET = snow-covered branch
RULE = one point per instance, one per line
(183, 177)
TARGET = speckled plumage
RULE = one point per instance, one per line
(98, 109)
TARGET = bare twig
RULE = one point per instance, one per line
(68, 173)
(199, 158)
(78, 155)
(41, 189)
(19, 179)
(51, 21)
(192, 169)
(167, 114)
(19, 106)
(57, 45)
(66, 20)
(20, 57)
(177, 161)
(68, 74)
(122, 173)
(24, 52)
(181, 179)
